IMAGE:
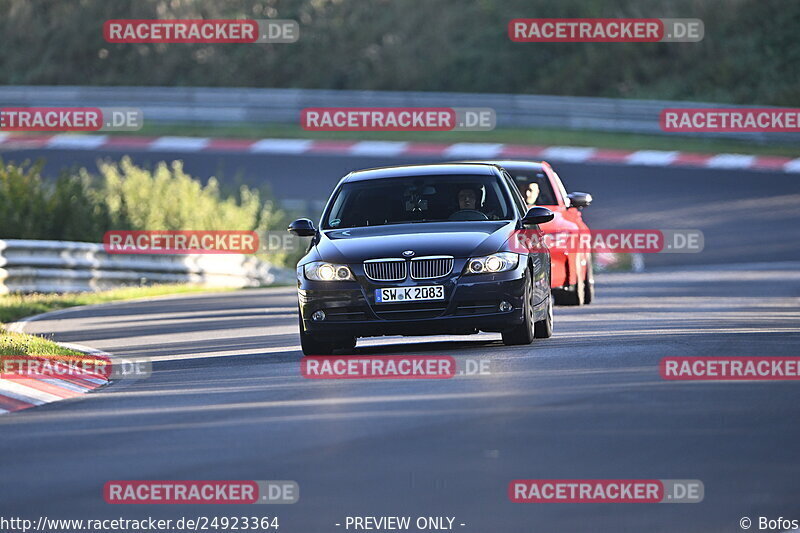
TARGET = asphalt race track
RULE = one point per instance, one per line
(226, 399)
(746, 216)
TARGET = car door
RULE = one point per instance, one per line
(541, 259)
(572, 214)
(581, 258)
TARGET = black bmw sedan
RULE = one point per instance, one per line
(426, 249)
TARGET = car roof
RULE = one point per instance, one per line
(514, 164)
(437, 169)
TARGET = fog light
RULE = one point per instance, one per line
(318, 316)
(505, 306)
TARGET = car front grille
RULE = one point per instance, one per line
(385, 269)
(431, 267)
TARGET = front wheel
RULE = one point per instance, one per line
(543, 329)
(572, 294)
(523, 333)
(588, 284)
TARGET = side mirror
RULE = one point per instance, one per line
(579, 199)
(537, 215)
(302, 227)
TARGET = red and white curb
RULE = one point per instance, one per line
(17, 394)
(570, 154)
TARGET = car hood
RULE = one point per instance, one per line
(459, 239)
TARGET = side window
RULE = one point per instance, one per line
(522, 207)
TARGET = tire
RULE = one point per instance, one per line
(588, 284)
(571, 294)
(346, 345)
(523, 333)
(543, 329)
(313, 345)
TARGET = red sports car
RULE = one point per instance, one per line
(572, 280)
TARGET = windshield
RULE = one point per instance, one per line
(418, 199)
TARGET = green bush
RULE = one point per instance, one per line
(80, 206)
(23, 201)
(169, 199)
(30, 208)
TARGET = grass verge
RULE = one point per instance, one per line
(16, 306)
(541, 136)
(23, 344)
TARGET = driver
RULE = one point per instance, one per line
(532, 193)
(467, 199)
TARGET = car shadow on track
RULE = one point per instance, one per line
(449, 347)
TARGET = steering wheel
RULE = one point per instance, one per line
(468, 214)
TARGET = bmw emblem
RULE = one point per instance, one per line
(408, 253)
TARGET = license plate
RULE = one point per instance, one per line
(409, 294)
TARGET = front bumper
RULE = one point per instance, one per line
(471, 304)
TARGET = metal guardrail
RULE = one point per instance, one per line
(232, 105)
(61, 266)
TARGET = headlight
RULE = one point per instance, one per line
(320, 271)
(499, 262)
